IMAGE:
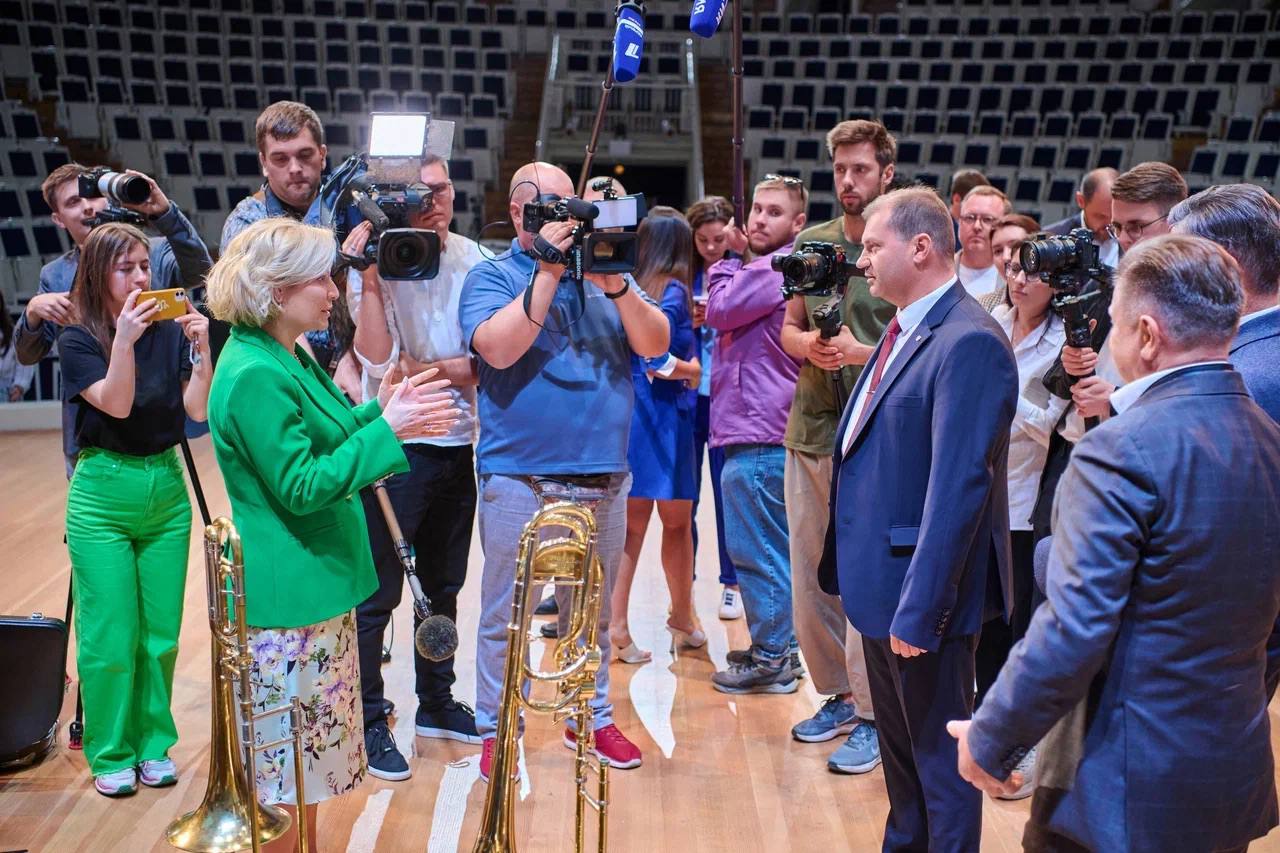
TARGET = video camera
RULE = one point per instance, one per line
(816, 268)
(1069, 264)
(118, 189)
(385, 188)
(594, 249)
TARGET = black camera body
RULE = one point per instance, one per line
(402, 252)
(1069, 263)
(594, 249)
(814, 268)
(118, 189)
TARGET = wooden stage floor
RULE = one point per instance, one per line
(720, 774)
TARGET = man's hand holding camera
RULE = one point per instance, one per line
(557, 236)
(843, 350)
(1090, 393)
(735, 239)
(155, 205)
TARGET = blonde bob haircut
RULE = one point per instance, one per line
(271, 253)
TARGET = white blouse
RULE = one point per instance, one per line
(1038, 411)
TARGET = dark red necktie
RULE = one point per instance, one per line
(890, 338)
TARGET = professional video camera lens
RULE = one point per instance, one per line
(124, 189)
(408, 254)
(1050, 254)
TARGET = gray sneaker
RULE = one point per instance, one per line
(747, 655)
(835, 717)
(1027, 767)
(860, 753)
(756, 677)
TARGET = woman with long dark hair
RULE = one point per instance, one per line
(708, 217)
(661, 452)
(131, 381)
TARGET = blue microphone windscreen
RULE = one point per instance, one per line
(628, 44)
(706, 17)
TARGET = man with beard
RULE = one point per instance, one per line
(862, 158)
(292, 152)
(178, 259)
(752, 382)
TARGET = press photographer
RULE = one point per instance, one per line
(413, 324)
(550, 352)
(832, 323)
(80, 199)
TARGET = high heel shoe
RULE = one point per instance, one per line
(631, 653)
(681, 639)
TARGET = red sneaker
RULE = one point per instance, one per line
(486, 759)
(611, 744)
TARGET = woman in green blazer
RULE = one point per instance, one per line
(294, 454)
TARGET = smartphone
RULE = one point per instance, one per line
(172, 302)
(701, 299)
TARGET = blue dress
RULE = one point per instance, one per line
(661, 450)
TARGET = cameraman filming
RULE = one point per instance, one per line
(414, 325)
(1141, 199)
(862, 158)
(551, 351)
(177, 259)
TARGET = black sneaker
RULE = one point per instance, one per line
(385, 761)
(452, 721)
(547, 607)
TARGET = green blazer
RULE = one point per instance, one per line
(294, 455)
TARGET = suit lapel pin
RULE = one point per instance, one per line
(918, 339)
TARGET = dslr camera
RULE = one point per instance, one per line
(384, 186)
(604, 240)
(816, 268)
(1072, 266)
(118, 189)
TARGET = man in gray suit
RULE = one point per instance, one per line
(1147, 659)
(1094, 201)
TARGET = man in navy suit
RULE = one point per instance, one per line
(1094, 200)
(1244, 219)
(1163, 587)
(918, 541)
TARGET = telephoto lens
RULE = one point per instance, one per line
(124, 189)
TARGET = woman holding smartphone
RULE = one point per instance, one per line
(130, 380)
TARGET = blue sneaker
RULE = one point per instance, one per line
(860, 753)
(835, 717)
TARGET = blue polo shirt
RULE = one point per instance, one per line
(565, 406)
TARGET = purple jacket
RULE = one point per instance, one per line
(752, 377)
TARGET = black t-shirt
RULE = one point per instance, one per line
(162, 361)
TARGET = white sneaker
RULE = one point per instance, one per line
(158, 774)
(118, 784)
(730, 603)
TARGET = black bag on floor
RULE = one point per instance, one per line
(33, 656)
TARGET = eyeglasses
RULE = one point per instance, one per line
(974, 219)
(1132, 230)
(440, 189)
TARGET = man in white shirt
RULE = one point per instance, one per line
(975, 263)
(413, 325)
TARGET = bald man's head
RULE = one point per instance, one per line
(534, 179)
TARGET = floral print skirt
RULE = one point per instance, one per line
(320, 665)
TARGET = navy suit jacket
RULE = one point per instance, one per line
(920, 505)
(1163, 587)
(1064, 226)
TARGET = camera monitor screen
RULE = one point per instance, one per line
(397, 134)
(617, 213)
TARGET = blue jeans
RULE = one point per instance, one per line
(755, 521)
(506, 505)
(702, 432)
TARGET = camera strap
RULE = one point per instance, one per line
(528, 302)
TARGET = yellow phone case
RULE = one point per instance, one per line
(173, 303)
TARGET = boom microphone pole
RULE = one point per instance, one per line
(605, 89)
(436, 637)
(739, 176)
(624, 65)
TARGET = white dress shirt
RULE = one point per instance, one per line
(908, 319)
(1249, 318)
(1037, 414)
(422, 317)
(979, 282)
(1125, 397)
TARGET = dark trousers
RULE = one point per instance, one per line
(931, 809)
(701, 433)
(998, 637)
(435, 503)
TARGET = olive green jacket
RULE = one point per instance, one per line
(294, 455)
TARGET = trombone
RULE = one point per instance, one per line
(230, 817)
(567, 560)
